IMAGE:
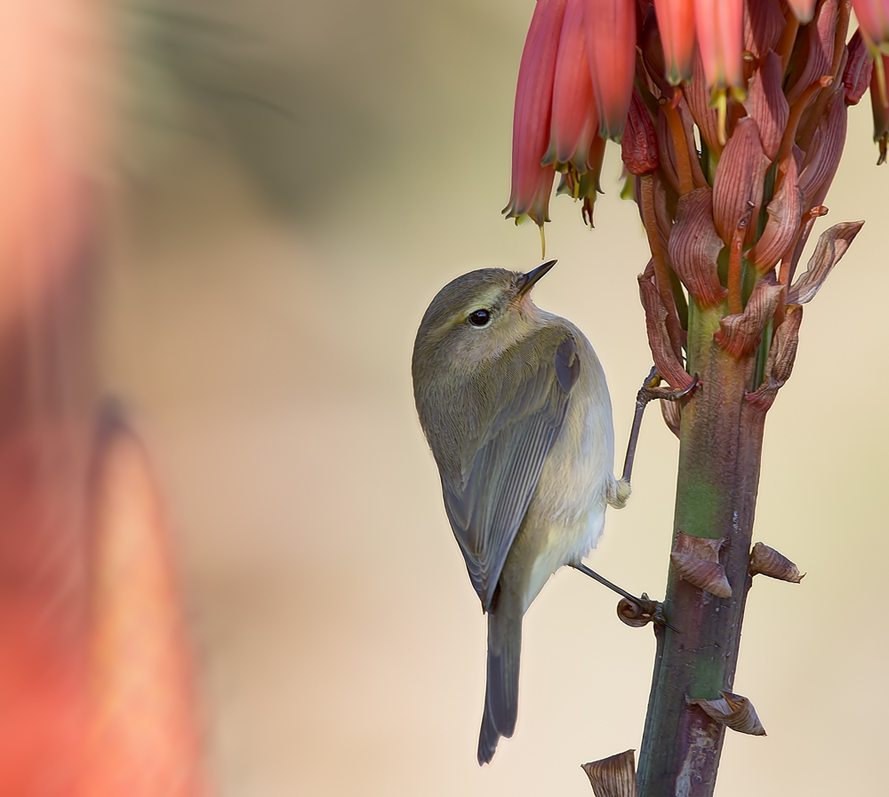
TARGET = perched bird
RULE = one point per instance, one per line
(514, 404)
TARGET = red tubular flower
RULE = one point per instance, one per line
(676, 22)
(574, 117)
(611, 45)
(803, 9)
(531, 182)
(719, 26)
(873, 16)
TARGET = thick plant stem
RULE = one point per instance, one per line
(719, 463)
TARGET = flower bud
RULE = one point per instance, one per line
(784, 213)
(826, 150)
(767, 105)
(697, 95)
(737, 187)
(763, 25)
(638, 143)
(694, 247)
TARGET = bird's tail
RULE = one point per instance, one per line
(502, 690)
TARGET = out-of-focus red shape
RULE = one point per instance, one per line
(611, 45)
(574, 117)
(531, 182)
(719, 25)
(49, 138)
(49, 134)
(873, 17)
(803, 9)
(144, 737)
(52, 147)
(676, 22)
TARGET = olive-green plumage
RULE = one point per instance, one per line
(515, 407)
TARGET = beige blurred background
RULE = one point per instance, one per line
(296, 181)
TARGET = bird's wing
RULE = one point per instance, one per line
(501, 471)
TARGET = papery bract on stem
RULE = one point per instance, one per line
(531, 182)
(611, 46)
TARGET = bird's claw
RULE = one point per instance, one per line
(651, 389)
(642, 611)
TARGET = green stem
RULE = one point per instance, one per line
(719, 462)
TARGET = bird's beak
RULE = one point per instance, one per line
(528, 280)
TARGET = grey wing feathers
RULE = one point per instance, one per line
(487, 508)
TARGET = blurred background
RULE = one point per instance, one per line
(290, 185)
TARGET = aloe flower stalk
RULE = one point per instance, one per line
(765, 88)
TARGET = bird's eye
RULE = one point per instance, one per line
(480, 318)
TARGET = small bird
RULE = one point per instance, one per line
(514, 405)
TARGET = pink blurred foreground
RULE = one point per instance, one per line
(95, 675)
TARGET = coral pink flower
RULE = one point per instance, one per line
(531, 182)
(676, 22)
(719, 26)
(611, 45)
(873, 16)
(574, 117)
